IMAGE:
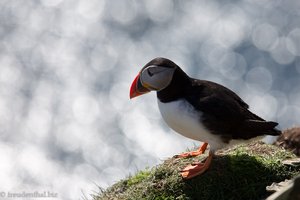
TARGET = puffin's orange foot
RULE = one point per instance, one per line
(196, 169)
(199, 151)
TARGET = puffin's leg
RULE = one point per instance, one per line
(199, 151)
(193, 170)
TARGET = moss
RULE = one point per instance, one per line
(242, 172)
(139, 177)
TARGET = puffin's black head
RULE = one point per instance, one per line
(155, 75)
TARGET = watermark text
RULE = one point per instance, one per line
(25, 194)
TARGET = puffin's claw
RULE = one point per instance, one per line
(196, 169)
(198, 152)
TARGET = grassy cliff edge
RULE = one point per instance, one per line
(241, 172)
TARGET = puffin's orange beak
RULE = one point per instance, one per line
(137, 88)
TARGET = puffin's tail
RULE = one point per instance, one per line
(261, 127)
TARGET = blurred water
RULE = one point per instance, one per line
(66, 121)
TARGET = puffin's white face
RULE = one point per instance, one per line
(152, 77)
(156, 77)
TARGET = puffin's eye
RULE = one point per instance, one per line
(150, 73)
(154, 70)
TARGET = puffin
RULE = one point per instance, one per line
(201, 110)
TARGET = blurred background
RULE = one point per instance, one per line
(66, 122)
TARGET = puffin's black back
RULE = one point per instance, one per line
(222, 111)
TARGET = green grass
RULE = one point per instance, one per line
(139, 177)
(242, 172)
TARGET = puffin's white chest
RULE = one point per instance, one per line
(184, 119)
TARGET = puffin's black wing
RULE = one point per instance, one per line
(225, 113)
